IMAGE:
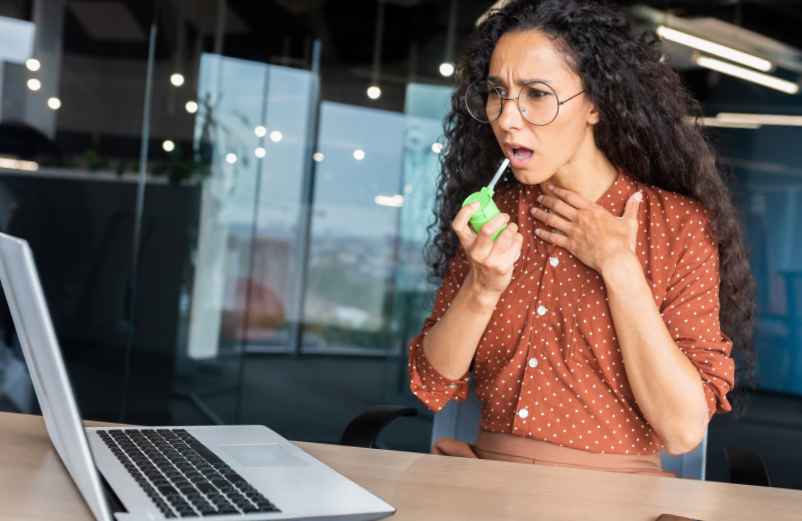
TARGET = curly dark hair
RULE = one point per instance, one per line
(643, 129)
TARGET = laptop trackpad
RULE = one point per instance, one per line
(265, 455)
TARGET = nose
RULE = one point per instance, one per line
(510, 117)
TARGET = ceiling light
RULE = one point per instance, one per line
(34, 84)
(168, 145)
(715, 122)
(446, 69)
(359, 154)
(760, 119)
(318, 156)
(32, 64)
(54, 103)
(373, 91)
(260, 152)
(766, 80)
(18, 164)
(395, 201)
(276, 136)
(260, 131)
(722, 51)
(437, 148)
(231, 158)
(191, 106)
(177, 79)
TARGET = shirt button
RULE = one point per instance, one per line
(523, 413)
(533, 362)
(541, 310)
(554, 261)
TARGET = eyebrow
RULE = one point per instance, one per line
(521, 82)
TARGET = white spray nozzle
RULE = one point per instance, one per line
(499, 172)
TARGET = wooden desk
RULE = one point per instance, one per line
(35, 486)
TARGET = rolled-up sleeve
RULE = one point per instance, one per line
(691, 312)
(432, 388)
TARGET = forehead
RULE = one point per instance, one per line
(528, 55)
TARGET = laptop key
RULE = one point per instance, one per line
(206, 487)
(166, 489)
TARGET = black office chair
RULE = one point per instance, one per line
(746, 467)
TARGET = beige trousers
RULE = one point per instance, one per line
(506, 447)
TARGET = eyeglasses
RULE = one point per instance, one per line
(537, 101)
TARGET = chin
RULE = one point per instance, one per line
(528, 176)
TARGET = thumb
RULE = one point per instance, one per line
(631, 209)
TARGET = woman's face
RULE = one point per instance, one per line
(538, 152)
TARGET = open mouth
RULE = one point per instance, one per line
(522, 153)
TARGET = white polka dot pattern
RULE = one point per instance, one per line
(548, 366)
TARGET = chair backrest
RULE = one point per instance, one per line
(460, 419)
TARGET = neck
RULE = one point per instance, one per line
(588, 173)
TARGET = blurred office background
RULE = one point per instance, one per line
(228, 201)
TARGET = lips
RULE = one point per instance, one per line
(519, 155)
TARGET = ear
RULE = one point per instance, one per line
(593, 115)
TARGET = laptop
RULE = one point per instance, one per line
(219, 473)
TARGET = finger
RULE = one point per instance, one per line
(460, 226)
(464, 215)
(553, 220)
(558, 205)
(554, 238)
(506, 250)
(514, 251)
(631, 208)
(569, 196)
(483, 244)
(504, 242)
(518, 248)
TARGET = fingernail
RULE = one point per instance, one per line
(638, 196)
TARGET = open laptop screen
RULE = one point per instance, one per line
(49, 376)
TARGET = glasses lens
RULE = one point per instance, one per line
(483, 101)
(538, 103)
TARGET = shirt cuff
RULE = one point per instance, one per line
(715, 402)
(434, 380)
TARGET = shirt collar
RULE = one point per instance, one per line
(614, 199)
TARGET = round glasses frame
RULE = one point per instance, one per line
(518, 103)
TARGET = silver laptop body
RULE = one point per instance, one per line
(240, 463)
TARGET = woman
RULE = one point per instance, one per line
(591, 325)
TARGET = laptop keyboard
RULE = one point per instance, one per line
(181, 476)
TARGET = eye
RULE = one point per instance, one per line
(495, 92)
(534, 93)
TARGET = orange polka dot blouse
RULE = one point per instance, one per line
(548, 366)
